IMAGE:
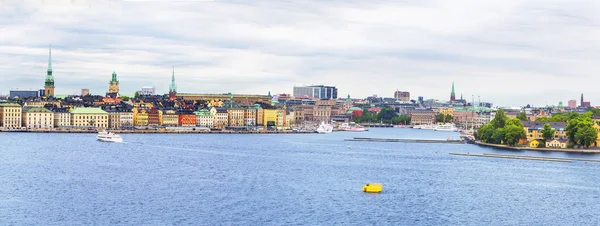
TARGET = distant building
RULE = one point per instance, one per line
(89, 117)
(85, 92)
(113, 85)
(583, 103)
(452, 95)
(10, 115)
(316, 92)
(402, 96)
(422, 117)
(173, 88)
(572, 104)
(37, 118)
(147, 91)
(23, 94)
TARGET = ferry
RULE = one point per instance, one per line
(109, 137)
(352, 127)
(325, 128)
(450, 127)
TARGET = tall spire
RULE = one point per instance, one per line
(173, 86)
(452, 87)
(50, 60)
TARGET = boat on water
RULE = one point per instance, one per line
(109, 137)
(427, 127)
(352, 127)
(324, 128)
(449, 127)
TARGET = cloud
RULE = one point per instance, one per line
(511, 52)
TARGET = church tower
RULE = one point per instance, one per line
(49, 81)
(113, 85)
(452, 95)
(173, 88)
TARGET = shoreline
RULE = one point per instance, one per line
(159, 132)
(566, 150)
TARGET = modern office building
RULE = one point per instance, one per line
(23, 93)
(316, 92)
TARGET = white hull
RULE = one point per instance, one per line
(447, 130)
(356, 130)
(325, 128)
(114, 140)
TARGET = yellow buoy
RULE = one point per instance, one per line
(372, 188)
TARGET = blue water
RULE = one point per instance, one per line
(305, 179)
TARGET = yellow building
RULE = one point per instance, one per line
(270, 117)
(170, 118)
(221, 117)
(37, 118)
(533, 130)
(447, 111)
(89, 117)
(235, 116)
(140, 117)
(534, 144)
(10, 116)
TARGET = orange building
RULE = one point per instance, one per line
(187, 119)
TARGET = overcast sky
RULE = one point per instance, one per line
(509, 52)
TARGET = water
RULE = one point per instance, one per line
(230, 179)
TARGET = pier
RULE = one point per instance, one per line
(525, 157)
(376, 125)
(449, 141)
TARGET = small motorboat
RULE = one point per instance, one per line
(372, 188)
(109, 137)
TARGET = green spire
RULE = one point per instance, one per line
(173, 86)
(49, 81)
(114, 78)
(452, 87)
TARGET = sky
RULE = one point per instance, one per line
(509, 52)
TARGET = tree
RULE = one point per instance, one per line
(439, 117)
(547, 132)
(515, 122)
(401, 119)
(522, 116)
(500, 119)
(498, 136)
(448, 118)
(125, 98)
(136, 95)
(513, 134)
(571, 129)
(586, 136)
(386, 114)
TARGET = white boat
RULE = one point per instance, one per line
(352, 127)
(446, 127)
(325, 128)
(427, 127)
(109, 137)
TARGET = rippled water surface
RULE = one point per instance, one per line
(308, 179)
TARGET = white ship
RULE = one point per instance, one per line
(450, 127)
(109, 137)
(352, 127)
(427, 127)
(325, 128)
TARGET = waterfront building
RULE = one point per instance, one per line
(154, 117)
(204, 118)
(37, 118)
(23, 94)
(186, 118)
(10, 116)
(62, 117)
(126, 117)
(217, 100)
(113, 84)
(140, 117)
(250, 116)
(235, 116)
(556, 143)
(173, 87)
(221, 118)
(447, 111)
(533, 130)
(49, 81)
(402, 96)
(114, 118)
(259, 115)
(316, 92)
(170, 118)
(269, 117)
(280, 117)
(89, 117)
(422, 117)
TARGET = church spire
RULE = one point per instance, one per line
(49, 81)
(173, 86)
(50, 60)
(452, 95)
(452, 88)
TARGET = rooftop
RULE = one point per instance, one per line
(10, 105)
(36, 110)
(88, 111)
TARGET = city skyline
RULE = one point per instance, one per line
(518, 53)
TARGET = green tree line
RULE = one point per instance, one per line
(502, 130)
(386, 115)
